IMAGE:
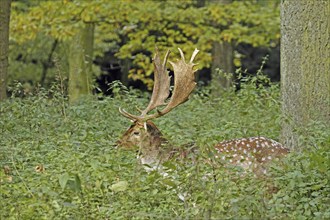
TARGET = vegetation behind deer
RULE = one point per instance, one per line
(59, 161)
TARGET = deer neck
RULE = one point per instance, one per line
(154, 149)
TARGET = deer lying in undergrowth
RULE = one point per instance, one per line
(251, 153)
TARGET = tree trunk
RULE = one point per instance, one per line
(222, 63)
(125, 66)
(47, 63)
(305, 79)
(88, 44)
(4, 46)
(80, 63)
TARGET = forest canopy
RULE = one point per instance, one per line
(130, 30)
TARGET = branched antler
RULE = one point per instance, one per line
(184, 84)
(161, 89)
(184, 81)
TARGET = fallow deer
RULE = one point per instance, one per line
(249, 153)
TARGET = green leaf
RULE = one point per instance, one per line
(63, 180)
(119, 186)
(169, 182)
(77, 183)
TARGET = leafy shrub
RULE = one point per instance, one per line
(60, 161)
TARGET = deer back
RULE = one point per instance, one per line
(253, 153)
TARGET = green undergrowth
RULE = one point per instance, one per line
(60, 162)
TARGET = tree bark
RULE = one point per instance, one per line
(222, 62)
(4, 46)
(125, 66)
(88, 39)
(47, 63)
(305, 77)
(80, 63)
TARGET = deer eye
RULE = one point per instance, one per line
(136, 133)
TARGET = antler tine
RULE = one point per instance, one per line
(193, 55)
(184, 83)
(127, 115)
(182, 54)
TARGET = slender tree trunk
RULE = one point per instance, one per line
(4, 46)
(222, 62)
(125, 66)
(88, 39)
(47, 63)
(80, 63)
(305, 76)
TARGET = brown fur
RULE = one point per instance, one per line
(148, 140)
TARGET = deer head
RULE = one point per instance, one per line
(153, 147)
